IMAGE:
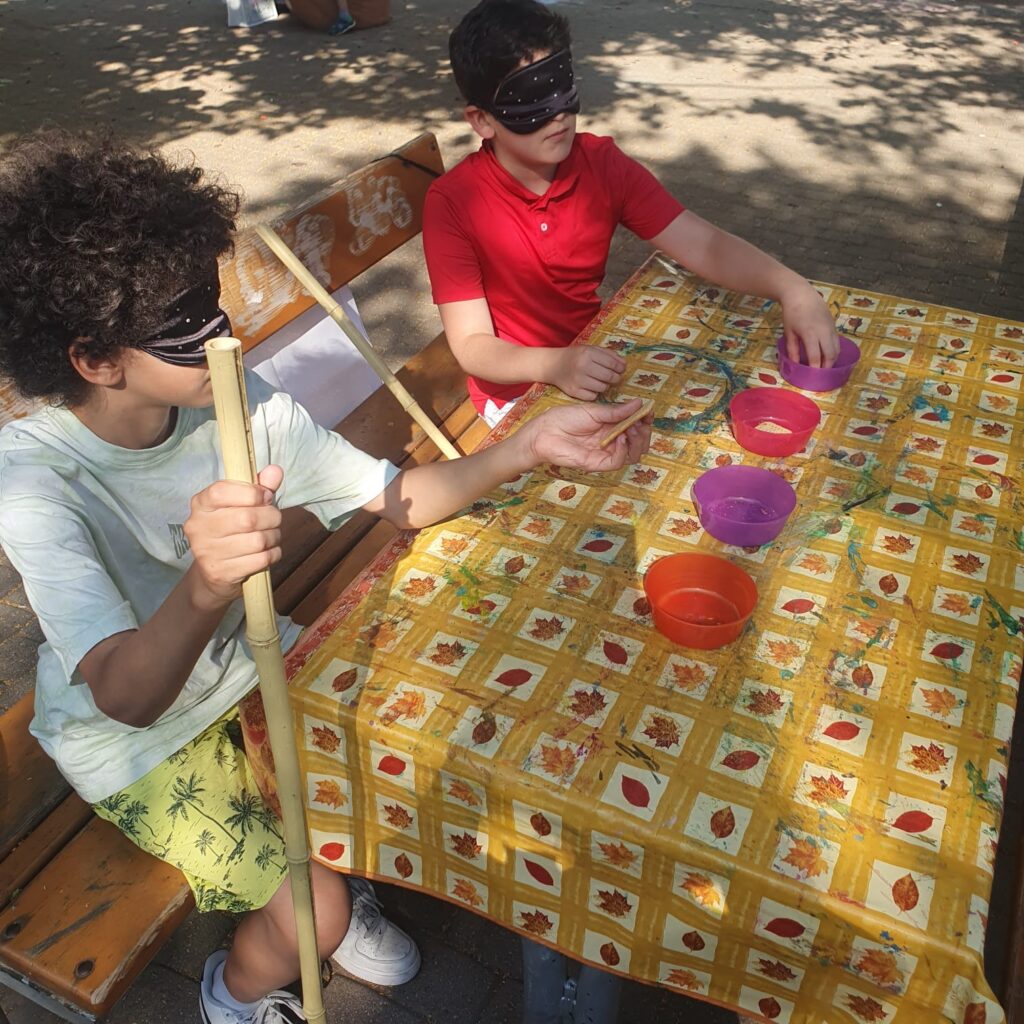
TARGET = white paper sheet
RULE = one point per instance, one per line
(313, 360)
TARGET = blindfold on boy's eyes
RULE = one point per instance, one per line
(535, 95)
(191, 320)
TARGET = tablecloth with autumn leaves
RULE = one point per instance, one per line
(800, 826)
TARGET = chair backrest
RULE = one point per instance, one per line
(339, 234)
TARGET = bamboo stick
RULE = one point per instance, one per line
(224, 357)
(277, 246)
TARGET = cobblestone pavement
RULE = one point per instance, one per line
(874, 144)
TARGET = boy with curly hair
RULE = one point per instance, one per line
(133, 551)
(517, 235)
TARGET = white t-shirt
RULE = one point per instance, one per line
(96, 532)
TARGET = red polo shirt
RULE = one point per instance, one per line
(537, 260)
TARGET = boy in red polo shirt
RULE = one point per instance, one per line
(517, 235)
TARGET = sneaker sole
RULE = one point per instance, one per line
(386, 980)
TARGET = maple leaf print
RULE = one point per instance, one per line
(926, 444)
(915, 475)
(826, 790)
(620, 509)
(663, 731)
(584, 703)
(961, 321)
(804, 856)
(631, 323)
(940, 702)
(880, 966)
(775, 969)
(958, 604)
(702, 889)
(764, 703)
(877, 402)
(397, 816)
(687, 677)
(930, 759)
(574, 584)
(862, 302)
(650, 303)
(994, 430)
(558, 762)
(1013, 332)
(453, 546)
(535, 922)
(838, 489)
(326, 739)
(972, 524)
(783, 651)
(419, 586)
(663, 446)
(618, 854)
(409, 705)
(460, 791)
(466, 846)
(967, 564)
(644, 476)
(613, 903)
(897, 544)
(998, 402)
(538, 527)
(684, 979)
(684, 527)
(902, 332)
(866, 1008)
(330, 793)
(646, 380)
(547, 629)
(466, 891)
(815, 563)
(448, 654)
(380, 634)
(886, 377)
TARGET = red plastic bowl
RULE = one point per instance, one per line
(699, 600)
(797, 413)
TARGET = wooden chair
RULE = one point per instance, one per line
(83, 910)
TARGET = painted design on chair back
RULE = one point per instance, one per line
(375, 205)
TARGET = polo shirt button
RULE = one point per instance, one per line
(544, 226)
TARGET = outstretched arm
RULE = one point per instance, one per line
(733, 263)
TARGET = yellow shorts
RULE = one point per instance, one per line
(201, 811)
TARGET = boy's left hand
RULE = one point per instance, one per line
(807, 321)
(571, 435)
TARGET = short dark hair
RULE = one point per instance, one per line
(96, 239)
(495, 37)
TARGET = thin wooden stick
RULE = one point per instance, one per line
(224, 357)
(620, 428)
(277, 246)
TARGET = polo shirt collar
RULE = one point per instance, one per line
(565, 177)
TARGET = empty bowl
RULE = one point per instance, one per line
(743, 505)
(818, 378)
(773, 421)
(699, 600)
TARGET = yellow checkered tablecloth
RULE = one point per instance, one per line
(800, 826)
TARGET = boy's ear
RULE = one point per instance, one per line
(480, 121)
(105, 371)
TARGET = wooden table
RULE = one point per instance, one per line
(800, 826)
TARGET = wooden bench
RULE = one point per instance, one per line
(83, 910)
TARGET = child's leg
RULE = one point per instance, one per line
(265, 953)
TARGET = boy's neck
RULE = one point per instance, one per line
(126, 425)
(535, 177)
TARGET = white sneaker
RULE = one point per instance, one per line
(276, 1008)
(374, 949)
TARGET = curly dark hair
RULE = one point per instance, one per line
(96, 239)
(495, 38)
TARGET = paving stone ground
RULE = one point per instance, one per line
(876, 144)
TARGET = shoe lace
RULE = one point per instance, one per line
(369, 915)
(279, 1008)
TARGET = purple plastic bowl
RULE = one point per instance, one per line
(743, 505)
(812, 378)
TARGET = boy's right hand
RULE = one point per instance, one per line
(584, 372)
(234, 531)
